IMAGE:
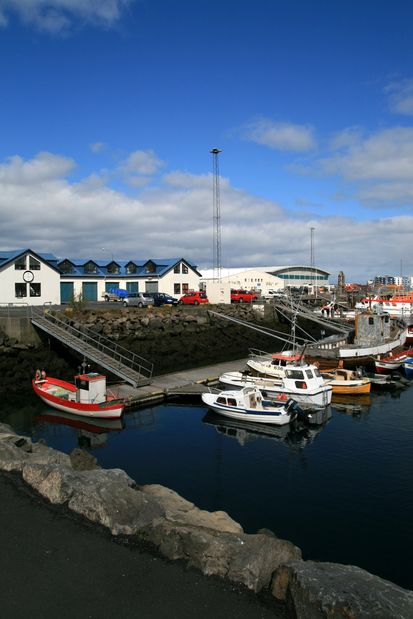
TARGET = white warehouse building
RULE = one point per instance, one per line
(262, 279)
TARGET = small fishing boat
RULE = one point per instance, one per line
(87, 397)
(303, 383)
(248, 404)
(272, 365)
(347, 382)
(408, 367)
(392, 363)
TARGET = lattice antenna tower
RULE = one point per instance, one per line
(216, 215)
(312, 262)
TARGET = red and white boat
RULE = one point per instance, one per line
(87, 397)
(399, 306)
(392, 363)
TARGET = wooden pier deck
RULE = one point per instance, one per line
(185, 383)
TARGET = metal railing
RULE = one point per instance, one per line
(120, 355)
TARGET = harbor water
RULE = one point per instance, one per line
(342, 492)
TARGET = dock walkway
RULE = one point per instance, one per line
(184, 383)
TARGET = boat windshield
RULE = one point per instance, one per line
(295, 374)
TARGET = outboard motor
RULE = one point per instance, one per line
(296, 411)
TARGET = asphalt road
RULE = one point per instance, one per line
(54, 565)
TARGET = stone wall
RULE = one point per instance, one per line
(181, 338)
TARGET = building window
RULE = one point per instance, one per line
(35, 290)
(34, 265)
(131, 269)
(177, 268)
(66, 267)
(184, 269)
(177, 288)
(90, 267)
(20, 290)
(185, 288)
(112, 268)
(20, 264)
(151, 267)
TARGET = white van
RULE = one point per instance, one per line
(274, 294)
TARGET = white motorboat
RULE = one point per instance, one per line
(248, 404)
(303, 383)
(273, 365)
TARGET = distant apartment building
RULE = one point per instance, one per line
(405, 281)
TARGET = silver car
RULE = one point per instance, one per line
(137, 299)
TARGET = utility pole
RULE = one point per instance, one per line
(312, 258)
(217, 264)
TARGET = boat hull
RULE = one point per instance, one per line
(408, 369)
(351, 389)
(309, 399)
(244, 414)
(105, 410)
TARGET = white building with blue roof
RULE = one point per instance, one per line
(27, 277)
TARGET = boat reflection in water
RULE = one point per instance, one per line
(296, 435)
(90, 432)
(351, 405)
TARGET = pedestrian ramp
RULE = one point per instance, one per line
(127, 365)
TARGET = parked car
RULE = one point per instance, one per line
(193, 298)
(243, 296)
(270, 295)
(115, 294)
(161, 298)
(137, 299)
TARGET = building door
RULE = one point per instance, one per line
(90, 291)
(66, 292)
(151, 286)
(110, 285)
(132, 286)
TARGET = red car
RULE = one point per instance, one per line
(242, 296)
(194, 298)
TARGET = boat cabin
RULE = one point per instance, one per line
(343, 374)
(307, 377)
(280, 360)
(91, 388)
(249, 397)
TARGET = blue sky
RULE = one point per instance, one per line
(109, 110)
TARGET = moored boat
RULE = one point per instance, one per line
(346, 382)
(248, 404)
(87, 397)
(393, 362)
(272, 365)
(408, 367)
(303, 383)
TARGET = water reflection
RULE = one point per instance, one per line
(90, 432)
(295, 435)
(351, 404)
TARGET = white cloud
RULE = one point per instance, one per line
(42, 209)
(377, 169)
(401, 97)
(97, 147)
(141, 162)
(44, 167)
(55, 16)
(388, 154)
(280, 136)
(137, 169)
